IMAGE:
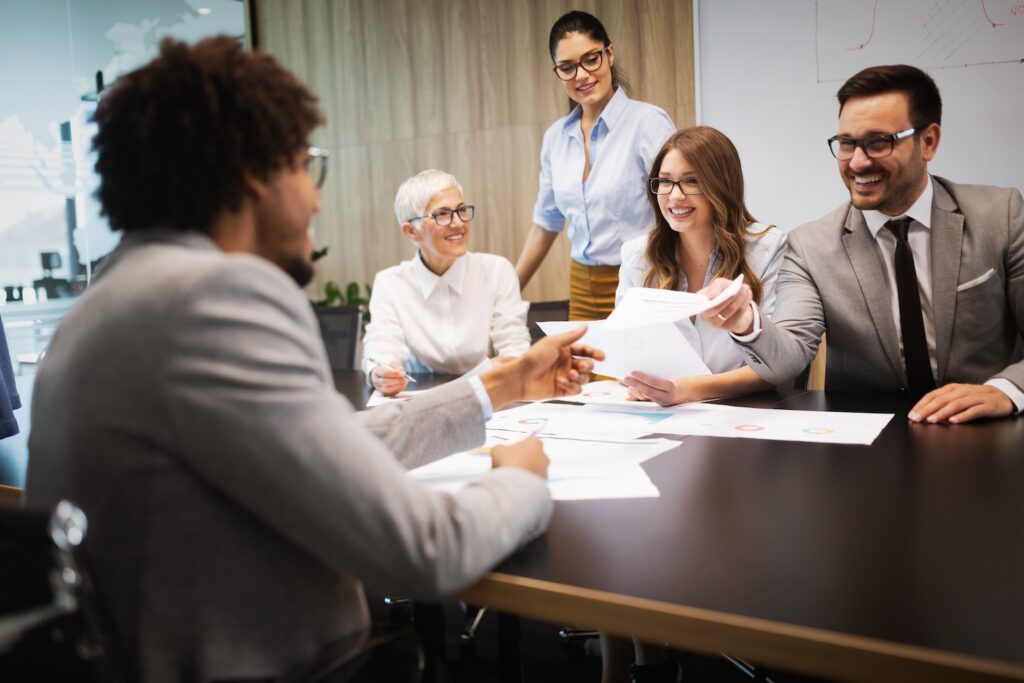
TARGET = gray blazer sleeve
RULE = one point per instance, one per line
(1015, 279)
(790, 338)
(429, 426)
(248, 393)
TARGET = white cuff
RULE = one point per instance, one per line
(747, 338)
(482, 396)
(1015, 395)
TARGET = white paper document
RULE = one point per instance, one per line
(579, 470)
(570, 419)
(712, 419)
(659, 349)
(378, 399)
(643, 305)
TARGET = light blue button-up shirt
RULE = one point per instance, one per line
(611, 206)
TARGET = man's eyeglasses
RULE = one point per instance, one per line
(590, 63)
(875, 147)
(444, 217)
(316, 165)
(687, 185)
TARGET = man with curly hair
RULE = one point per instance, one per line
(236, 503)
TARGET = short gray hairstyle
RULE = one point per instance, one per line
(415, 193)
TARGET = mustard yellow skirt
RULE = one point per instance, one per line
(591, 291)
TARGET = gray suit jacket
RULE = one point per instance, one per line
(833, 279)
(236, 503)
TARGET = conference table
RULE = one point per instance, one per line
(898, 561)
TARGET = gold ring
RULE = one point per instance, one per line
(720, 316)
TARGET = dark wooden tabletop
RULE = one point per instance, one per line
(905, 553)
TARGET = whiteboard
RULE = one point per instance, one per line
(768, 72)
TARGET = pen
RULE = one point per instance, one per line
(388, 367)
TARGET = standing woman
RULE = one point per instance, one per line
(594, 164)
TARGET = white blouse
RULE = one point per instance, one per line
(448, 323)
(765, 249)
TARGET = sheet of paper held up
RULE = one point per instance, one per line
(640, 334)
(643, 306)
(579, 470)
(659, 349)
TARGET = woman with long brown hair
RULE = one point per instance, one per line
(702, 230)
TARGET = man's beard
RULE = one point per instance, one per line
(300, 270)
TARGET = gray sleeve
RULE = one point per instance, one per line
(790, 338)
(1015, 280)
(429, 426)
(254, 414)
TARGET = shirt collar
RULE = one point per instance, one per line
(610, 115)
(920, 212)
(454, 277)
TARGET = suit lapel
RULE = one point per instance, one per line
(947, 238)
(867, 265)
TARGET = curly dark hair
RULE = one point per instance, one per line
(177, 136)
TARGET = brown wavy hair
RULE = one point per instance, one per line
(716, 163)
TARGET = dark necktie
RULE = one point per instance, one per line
(915, 346)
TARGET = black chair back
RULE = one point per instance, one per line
(340, 327)
(541, 311)
(53, 622)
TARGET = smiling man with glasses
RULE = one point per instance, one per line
(919, 280)
(446, 309)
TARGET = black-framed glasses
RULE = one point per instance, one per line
(316, 165)
(875, 147)
(590, 63)
(444, 217)
(686, 185)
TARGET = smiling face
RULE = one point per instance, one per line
(688, 214)
(890, 184)
(440, 245)
(592, 90)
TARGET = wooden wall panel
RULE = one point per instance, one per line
(461, 85)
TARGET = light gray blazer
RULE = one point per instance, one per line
(833, 280)
(236, 502)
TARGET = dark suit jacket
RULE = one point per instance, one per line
(9, 399)
(833, 280)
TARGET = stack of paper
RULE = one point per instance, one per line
(579, 469)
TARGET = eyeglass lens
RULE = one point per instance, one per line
(591, 62)
(876, 148)
(316, 166)
(443, 217)
(686, 185)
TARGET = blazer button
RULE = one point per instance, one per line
(901, 390)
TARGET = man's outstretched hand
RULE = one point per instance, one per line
(555, 366)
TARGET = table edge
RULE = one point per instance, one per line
(798, 649)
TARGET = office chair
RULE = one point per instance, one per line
(542, 311)
(53, 621)
(340, 327)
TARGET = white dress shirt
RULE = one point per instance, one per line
(764, 252)
(448, 323)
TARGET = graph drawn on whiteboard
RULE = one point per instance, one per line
(931, 34)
